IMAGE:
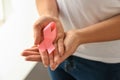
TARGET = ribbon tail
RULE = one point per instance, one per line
(51, 48)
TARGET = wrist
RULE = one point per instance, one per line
(49, 15)
(80, 37)
(47, 7)
(76, 36)
(48, 18)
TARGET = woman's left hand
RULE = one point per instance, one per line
(71, 43)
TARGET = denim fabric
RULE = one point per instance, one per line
(76, 68)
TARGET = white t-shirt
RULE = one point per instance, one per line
(83, 13)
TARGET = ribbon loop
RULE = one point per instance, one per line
(49, 34)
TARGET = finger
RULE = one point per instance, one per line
(37, 36)
(61, 46)
(45, 58)
(27, 53)
(32, 49)
(56, 58)
(38, 27)
(65, 56)
(33, 58)
(37, 31)
(51, 59)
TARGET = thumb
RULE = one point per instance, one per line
(37, 38)
(38, 35)
(60, 44)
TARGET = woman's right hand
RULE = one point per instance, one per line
(40, 24)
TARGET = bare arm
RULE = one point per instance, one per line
(48, 11)
(47, 7)
(107, 30)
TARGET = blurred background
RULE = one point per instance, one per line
(16, 34)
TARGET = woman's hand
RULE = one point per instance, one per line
(47, 59)
(32, 54)
(71, 43)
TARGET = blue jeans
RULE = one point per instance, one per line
(76, 68)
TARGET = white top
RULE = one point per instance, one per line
(82, 13)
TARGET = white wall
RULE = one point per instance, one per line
(7, 6)
(1, 10)
(16, 35)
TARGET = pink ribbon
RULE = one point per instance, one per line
(49, 34)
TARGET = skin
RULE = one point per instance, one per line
(49, 60)
(48, 12)
(107, 30)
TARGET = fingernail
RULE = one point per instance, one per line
(53, 68)
(46, 66)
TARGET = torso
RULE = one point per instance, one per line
(83, 13)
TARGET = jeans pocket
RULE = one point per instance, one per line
(69, 65)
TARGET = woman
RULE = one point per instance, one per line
(89, 49)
